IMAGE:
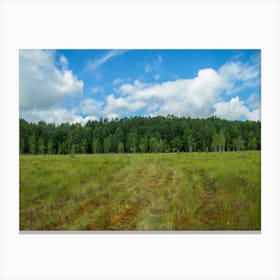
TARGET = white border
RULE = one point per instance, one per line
(144, 24)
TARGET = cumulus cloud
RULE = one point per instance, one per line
(126, 89)
(231, 110)
(255, 115)
(191, 97)
(42, 84)
(197, 97)
(55, 115)
(91, 106)
(112, 116)
(121, 106)
(235, 109)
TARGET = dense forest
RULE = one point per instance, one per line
(140, 135)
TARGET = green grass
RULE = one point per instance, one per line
(184, 191)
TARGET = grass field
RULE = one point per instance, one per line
(184, 191)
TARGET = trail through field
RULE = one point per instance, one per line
(141, 192)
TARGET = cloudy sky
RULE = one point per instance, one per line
(72, 86)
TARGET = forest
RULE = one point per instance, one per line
(140, 135)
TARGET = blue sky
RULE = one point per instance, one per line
(59, 86)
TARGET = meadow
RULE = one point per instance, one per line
(141, 192)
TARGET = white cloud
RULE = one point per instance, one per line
(112, 116)
(254, 100)
(93, 65)
(125, 89)
(232, 110)
(236, 76)
(64, 62)
(88, 118)
(119, 106)
(255, 115)
(41, 83)
(91, 106)
(191, 97)
(197, 97)
(233, 71)
(55, 115)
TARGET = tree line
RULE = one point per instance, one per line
(140, 135)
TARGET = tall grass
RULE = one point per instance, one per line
(185, 191)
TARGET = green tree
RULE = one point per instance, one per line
(161, 146)
(21, 146)
(96, 146)
(143, 146)
(252, 145)
(32, 144)
(83, 147)
(215, 142)
(153, 144)
(132, 142)
(221, 141)
(176, 144)
(63, 149)
(238, 143)
(190, 141)
(120, 147)
(41, 146)
(50, 147)
(73, 149)
(106, 145)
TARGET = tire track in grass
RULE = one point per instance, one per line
(210, 210)
(142, 183)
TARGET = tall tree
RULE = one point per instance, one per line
(131, 143)
(222, 141)
(190, 142)
(238, 143)
(96, 146)
(107, 144)
(41, 146)
(32, 144)
(50, 147)
(143, 146)
(22, 146)
(120, 147)
(252, 145)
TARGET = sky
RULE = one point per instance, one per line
(75, 86)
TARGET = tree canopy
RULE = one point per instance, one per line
(140, 135)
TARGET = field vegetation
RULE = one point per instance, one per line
(149, 191)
